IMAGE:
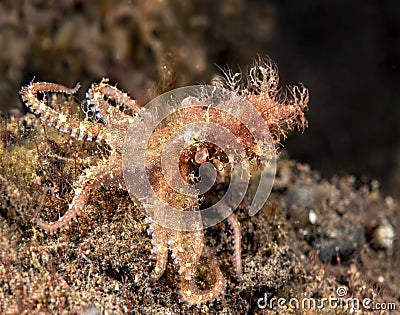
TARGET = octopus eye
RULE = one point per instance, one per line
(201, 156)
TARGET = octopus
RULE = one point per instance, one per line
(115, 111)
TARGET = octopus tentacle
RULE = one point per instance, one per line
(160, 250)
(237, 236)
(92, 179)
(99, 96)
(191, 293)
(62, 122)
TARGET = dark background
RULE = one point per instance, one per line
(346, 52)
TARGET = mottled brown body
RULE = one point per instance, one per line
(114, 111)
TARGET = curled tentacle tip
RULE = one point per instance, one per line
(76, 88)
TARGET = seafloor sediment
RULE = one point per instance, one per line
(313, 236)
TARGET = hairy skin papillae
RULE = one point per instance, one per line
(114, 110)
